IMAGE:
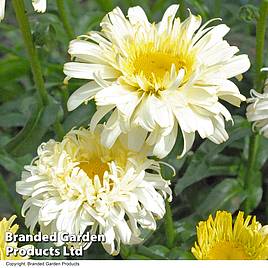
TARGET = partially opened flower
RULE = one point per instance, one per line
(78, 184)
(6, 226)
(39, 6)
(257, 110)
(221, 239)
(155, 77)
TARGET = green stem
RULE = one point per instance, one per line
(6, 192)
(260, 40)
(32, 54)
(249, 176)
(169, 227)
(182, 10)
(59, 129)
(64, 19)
(258, 81)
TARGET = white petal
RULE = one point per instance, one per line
(124, 232)
(84, 93)
(235, 66)
(167, 18)
(134, 139)
(188, 140)
(86, 51)
(86, 70)
(99, 114)
(137, 15)
(111, 130)
(124, 98)
(191, 24)
(2, 9)
(220, 135)
(40, 5)
(165, 144)
(161, 112)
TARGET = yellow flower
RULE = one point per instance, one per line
(6, 226)
(220, 239)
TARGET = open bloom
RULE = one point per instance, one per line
(155, 77)
(257, 110)
(39, 6)
(78, 184)
(220, 239)
(6, 226)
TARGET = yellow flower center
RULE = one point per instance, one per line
(154, 65)
(227, 250)
(94, 167)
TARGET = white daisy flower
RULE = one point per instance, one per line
(156, 77)
(257, 110)
(39, 6)
(78, 184)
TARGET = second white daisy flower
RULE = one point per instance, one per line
(78, 184)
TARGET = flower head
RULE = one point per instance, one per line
(257, 110)
(6, 226)
(78, 184)
(39, 6)
(155, 77)
(220, 239)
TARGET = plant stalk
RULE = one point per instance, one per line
(260, 41)
(64, 19)
(32, 53)
(169, 226)
(258, 81)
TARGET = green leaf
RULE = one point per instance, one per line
(227, 195)
(30, 137)
(160, 250)
(201, 165)
(12, 68)
(12, 120)
(149, 252)
(80, 116)
(9, 163)
(254, 192)
(262, 155)
(178, 253)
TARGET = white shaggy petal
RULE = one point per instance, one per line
(236, 66)
(2, 9)
(87, 71)
(137, 15)
(84, 93)
(167, 18)
(188, 139)
(257, 112)
(40, 5)
(86, 51)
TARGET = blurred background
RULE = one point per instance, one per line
(208, 178)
